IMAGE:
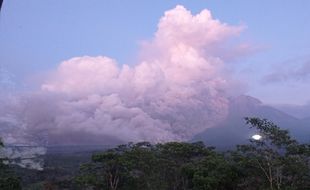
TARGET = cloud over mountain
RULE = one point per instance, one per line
(178, 89)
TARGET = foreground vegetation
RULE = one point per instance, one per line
(274, 162)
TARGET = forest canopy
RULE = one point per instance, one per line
(274, 161)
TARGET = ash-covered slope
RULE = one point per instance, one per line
(298, 111)
(233, 130)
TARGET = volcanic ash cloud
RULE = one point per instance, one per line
(177, 89)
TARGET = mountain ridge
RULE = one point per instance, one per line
(233, 130)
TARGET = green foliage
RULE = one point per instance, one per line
(143, 166)
(274, 162)
(213, 172)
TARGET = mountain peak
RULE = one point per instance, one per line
(245, 100)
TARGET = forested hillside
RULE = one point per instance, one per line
(276, 161)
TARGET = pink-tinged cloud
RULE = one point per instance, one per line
(178, 89)
(179, 26)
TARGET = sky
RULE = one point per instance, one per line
(36, 36)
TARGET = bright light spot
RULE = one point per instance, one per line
(256, 137)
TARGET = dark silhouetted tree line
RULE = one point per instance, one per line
(274, 162)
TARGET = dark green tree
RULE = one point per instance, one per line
(276, 161)
(141, 160)
(143, 166)
(177, 160)
(213, 172)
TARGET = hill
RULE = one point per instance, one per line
(233, 129)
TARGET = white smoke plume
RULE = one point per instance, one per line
(178, 89)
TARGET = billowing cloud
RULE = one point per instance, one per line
(178, 89)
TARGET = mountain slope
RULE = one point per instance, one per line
(299, 111)
(233, 130)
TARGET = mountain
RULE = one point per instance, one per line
(306, 120)
(233, 129)
(299, 111)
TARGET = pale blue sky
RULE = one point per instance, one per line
(36, 35)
